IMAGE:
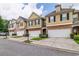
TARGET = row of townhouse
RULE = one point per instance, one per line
(59, 23)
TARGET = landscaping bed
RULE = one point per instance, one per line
(38, 38)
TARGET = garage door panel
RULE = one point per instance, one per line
(59, 33)
(34, 33)
(20, 33)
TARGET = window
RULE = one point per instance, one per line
(21, 24)
(75, 18)
(33, 22)
(39, 21)
(11, 26)
(36, 21)
(52, 19)
(30, 23)
(64, 16)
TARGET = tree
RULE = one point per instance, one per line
(3, 25)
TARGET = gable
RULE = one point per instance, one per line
(34, 16)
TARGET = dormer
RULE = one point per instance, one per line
(58, 8)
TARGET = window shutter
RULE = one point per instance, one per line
(49, 19)
(32, 22)
(67, 16)
(54, 19)
(61, 17)
(38, 21)
(35, 22)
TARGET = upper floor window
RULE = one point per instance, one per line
(11, 25)
(52, 19)
(21, 24)
(75, 18)
(30, 23)
(64, 16)
(37, 21)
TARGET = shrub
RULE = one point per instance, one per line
(72, 35)
(43, 36)
(76, 37)
(14, 34)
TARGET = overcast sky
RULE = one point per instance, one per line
(9, 11)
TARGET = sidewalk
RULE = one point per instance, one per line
(20, 39)
(61, 43)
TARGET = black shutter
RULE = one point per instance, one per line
(54, 19)
(29, 23)
(32, 22)
(35, 22)
(49, 19)
(67, 16)
(61, 17)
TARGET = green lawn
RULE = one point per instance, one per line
(37, 38)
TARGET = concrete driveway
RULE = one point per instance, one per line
(62, 43)
(14, 48)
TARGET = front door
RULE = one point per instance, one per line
(44, 31)
(27, 32)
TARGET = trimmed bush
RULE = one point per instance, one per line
(43, 36)
(14, 34)
(72, 36)
(76, 38)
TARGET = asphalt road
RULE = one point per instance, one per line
(13, 48)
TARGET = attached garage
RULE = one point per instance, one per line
(20, 33)
(59, 32)
(11, 33)
(34, 33)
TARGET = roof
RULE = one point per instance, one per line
(62, 11)
(20, 17)
(76, 11)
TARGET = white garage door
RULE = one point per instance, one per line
(34, 33)
(20, 33)
(10, 33)
(59, 33)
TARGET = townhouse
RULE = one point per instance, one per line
(36, 25)
(59, 22)
(17, 27)
(12, 27)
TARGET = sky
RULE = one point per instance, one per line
(11, 11)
